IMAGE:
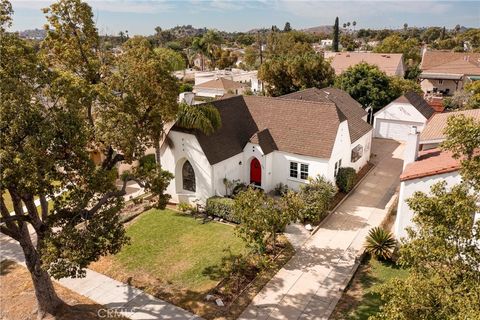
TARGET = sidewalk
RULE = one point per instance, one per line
(311, 283)
(131, 302)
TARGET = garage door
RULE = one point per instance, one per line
(396, 130)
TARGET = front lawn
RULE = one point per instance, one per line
(170, 255)
(359, 301)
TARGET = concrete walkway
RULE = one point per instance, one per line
(311, 283)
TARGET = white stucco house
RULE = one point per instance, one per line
(423, 169)
(395, 120)
(265, 141)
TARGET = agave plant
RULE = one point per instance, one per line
(380, 243)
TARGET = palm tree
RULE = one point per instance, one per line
(203, 117)
(354, 23)
(344, 26)
(199, 47)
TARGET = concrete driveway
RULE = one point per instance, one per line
(311, 283)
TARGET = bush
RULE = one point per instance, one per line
(147, 161)
(186, 207)
(280, 189)
(380, 243)
(221, 207)
(346, 179)
(240, 187)
(316, 197)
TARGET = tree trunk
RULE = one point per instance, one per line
(47, 299)
(158, 152)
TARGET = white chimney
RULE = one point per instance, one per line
(411, 147)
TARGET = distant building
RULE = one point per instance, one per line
(249, 78)
(219, 87)
(443, 72)
(390, 63)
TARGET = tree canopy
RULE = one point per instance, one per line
(372, 87)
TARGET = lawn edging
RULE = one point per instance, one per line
(343, 200)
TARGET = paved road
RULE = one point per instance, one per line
(311, 283)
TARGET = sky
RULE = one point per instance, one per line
(142, 16)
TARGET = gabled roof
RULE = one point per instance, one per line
(417, 102)
(429, 163)
(442, 62)
(347, 105)
(387, 62)
(294, 126)
(221, 83)
(435, 127)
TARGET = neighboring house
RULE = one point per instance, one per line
(219, 87)
(395, 120)
(443, 73)
(390, 63)
(266, 141)
(433, 134)
(423, 169)
(249, 78)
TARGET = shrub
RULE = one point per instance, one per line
(240, 187)
(186, 207)
(346, 179)
(147, 161)
(316, 196)
(280, 189)
(380, 243)
(221, 207)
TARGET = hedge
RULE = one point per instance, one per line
(346, 179)
(221, 207)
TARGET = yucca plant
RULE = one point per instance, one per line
(380, 243)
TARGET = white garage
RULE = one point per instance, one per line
(395, 130)
(396, 119)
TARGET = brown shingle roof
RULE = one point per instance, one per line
(221, 83)
(429, 163)
(451, 62)
(418, 102)
(347, 105)
(435, 127)
(294, 126)
(387, 62)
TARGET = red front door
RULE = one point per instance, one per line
(255, 172)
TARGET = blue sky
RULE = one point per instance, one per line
(141, 17)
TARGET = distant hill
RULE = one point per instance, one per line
(185, 31)
(319, 29)
(35, 34)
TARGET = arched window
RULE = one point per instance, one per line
(188, 176)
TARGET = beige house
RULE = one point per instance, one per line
(390, 63)
(219, 87)
(443, 72)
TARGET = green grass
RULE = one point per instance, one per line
(378, 273)
(177, 248)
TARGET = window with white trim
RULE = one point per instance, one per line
(338, 164)
(298, 170)
(357, 153)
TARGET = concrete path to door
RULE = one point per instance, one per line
(311, 283)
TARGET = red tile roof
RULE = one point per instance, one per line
(430, 163)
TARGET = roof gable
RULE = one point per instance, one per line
(221, 83)
(435, 127)
(352, 110)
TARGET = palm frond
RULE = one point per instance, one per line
(205, 118)
(380, 243)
